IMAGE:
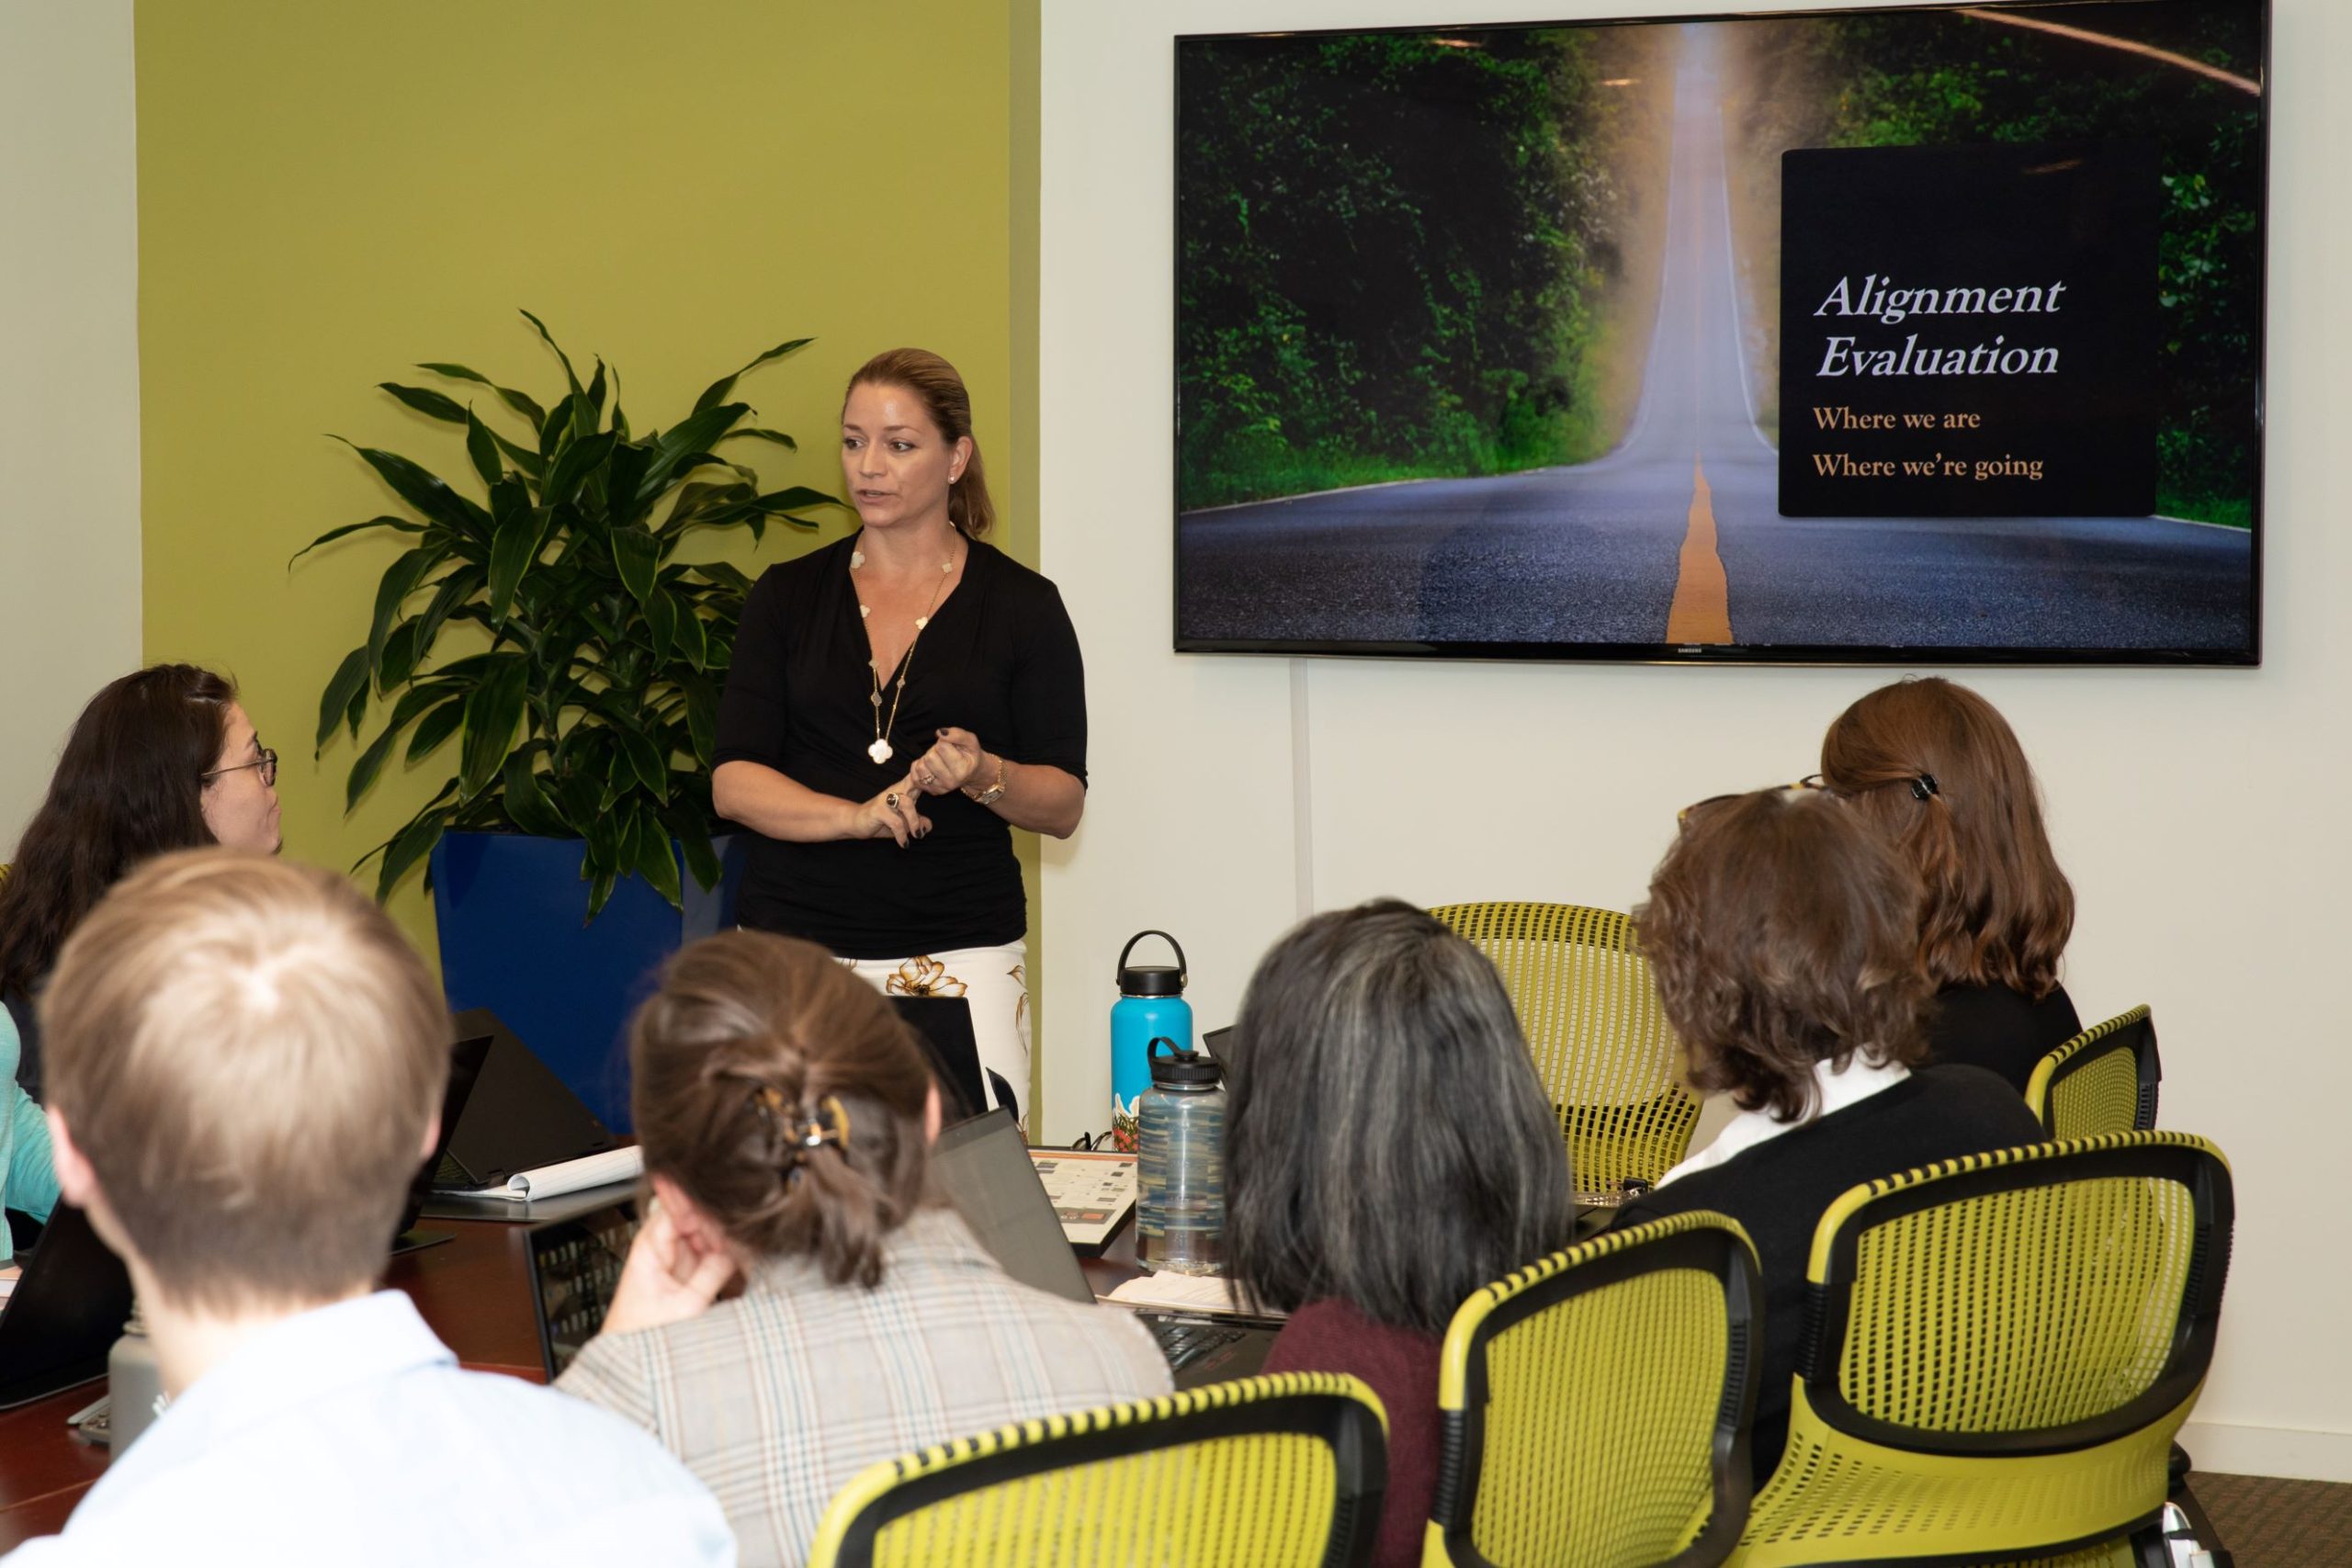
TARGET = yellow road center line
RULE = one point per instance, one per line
(1701, 608)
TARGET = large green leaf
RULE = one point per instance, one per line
(528, 407)
(531, 809)
(575, 464)
(400, 656)
(645, 760)
(661, 624)
(435, 405)
(521, 528)
(523, 457)
(726, 384)
(437, 725)
(426, 492)
(622, 476)
(413, 701)
(693, 834)
(691, 639)
(793, 497)
(690, 437)
(549, 338)
(723, 573)
(702, 715)
(656, 862)
(494, 718)
(636, 553)
(452, 590)
(483, 447)
(752, 432)
(408, 846)
(404, 525)
(350, 678)
(399, 581)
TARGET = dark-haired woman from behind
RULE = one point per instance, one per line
(1782, 932)
(786, 1117)
(1938, 769)
(1388, 1151)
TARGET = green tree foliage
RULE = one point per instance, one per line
(1390, 246)
(1899, 81)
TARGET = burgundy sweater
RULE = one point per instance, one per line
(1401, 1366)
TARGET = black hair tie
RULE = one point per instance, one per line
(1924, 787)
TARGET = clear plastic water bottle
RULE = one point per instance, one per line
(1179, 1204)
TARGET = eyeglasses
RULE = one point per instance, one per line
(1682, 817)
(267, 764)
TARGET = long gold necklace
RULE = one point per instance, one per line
(881, 750)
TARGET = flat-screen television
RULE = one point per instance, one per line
(1929, 334)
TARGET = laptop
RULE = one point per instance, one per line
(576, 1261)
(943, 1024)
(518, 1115)
(466, 1059)
(984, 1167)
(65, 1314)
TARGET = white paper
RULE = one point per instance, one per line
(569, 1176)
(1181, 1292)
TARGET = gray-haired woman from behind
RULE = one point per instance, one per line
(1388, 1150)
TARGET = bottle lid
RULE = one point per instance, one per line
(1183, 1068)
(1152, 979)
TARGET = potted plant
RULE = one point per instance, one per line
(572, 844)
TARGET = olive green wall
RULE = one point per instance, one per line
(329, 193)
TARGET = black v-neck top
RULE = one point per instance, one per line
(998, 658)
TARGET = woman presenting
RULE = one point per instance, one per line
(899, 703)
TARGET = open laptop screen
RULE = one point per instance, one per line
(984, 1166)
(575, 1267)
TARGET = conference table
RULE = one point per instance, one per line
(474, 1290)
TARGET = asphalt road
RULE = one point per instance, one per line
(1597, 552)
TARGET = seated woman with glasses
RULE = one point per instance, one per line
(1935, 768)
(163, 759)
(787, 1116)
(1388, 1151)
(1782, 932)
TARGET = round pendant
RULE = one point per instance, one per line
(921, 621)
(879, 751)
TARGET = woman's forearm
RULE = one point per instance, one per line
(776, 807)
(1036, 795)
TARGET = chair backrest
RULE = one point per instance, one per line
(1595, 1406)
(1286, 1471)
(1997, 1351)
(2103, 1080)
(1594, 1027)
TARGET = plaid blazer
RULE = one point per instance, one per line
(776, 1398)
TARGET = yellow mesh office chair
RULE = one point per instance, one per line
(1595, 1406)
(1275, 1471)
(2103, 1080)
(1997, 1352)
(1591, 1012)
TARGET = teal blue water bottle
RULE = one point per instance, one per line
(1151, 1006)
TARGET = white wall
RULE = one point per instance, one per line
(68, 378)
(2202, 815)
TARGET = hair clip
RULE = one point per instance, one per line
(799, 1128)
(1924, 786)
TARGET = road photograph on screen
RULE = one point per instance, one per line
(1930, 333)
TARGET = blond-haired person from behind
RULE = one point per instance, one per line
(246, 1063)
(786, 1117)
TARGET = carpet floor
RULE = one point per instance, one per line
(2268, 1523)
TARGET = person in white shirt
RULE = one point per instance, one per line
(245, 1065)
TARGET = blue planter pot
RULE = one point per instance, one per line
(511, 912)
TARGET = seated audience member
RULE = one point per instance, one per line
(1388, 1151)
(1936, 770)
(163, 759)
(1784, 935)
(786, 1117)
(245, 1065)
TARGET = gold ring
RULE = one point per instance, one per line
(891, 800)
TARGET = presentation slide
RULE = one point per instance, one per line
(1933, 334)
